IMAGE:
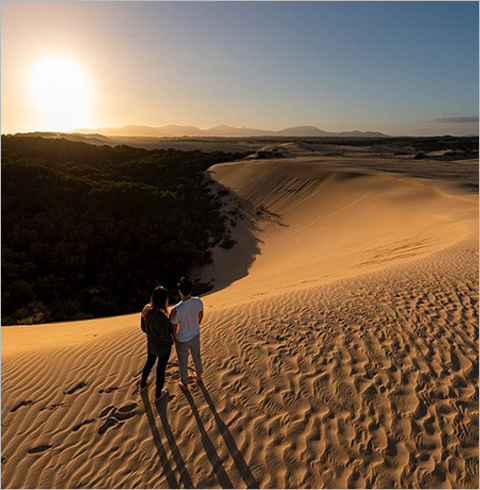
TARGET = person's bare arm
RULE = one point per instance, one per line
(175, 325)
(175, 331)
(200, 317)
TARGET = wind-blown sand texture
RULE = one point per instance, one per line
(340, 346)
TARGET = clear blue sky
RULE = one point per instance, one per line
(397, 67)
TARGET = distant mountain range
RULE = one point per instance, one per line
(175, 131)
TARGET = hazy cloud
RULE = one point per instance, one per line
(472, 119)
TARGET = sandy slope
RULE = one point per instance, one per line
(341, 347)
(305, 224)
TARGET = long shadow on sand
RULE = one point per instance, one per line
(179, 461)
(237, 456)
(210, 450)
(162, 455)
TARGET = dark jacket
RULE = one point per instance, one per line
(158, 328)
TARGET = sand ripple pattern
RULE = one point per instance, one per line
(371, 382)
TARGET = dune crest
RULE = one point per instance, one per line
(315, 225)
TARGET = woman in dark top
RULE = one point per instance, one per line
(156, 324)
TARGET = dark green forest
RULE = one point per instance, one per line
(88, 231)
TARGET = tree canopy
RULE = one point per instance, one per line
(89, 230)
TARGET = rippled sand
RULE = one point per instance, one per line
(340, 346)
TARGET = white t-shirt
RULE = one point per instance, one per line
(186, 314)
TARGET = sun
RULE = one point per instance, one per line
(60, 93)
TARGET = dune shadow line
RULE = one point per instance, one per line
(235, 452)
(249, 217)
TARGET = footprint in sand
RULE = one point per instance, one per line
(24, 403)
(109, 423)
(128, 408)
(52, 407)
(76, 388)
(39, 449)
(126, 412)
(107, 410)
(81, 424)
(116, 416)
(4, 460)
(110, 389)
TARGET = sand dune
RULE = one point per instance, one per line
(303, 224)
(341, 345)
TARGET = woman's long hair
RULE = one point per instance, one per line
(158, 300)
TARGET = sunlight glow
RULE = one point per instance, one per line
(60, 93)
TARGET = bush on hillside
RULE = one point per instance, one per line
(89, 231)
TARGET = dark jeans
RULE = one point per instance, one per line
(161, 366)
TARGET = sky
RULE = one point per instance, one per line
(396, 67)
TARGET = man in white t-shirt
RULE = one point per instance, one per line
(187, 317)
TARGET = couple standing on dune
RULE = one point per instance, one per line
(181, 326)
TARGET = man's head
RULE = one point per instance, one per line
(185, 286)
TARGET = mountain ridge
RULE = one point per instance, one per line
(222, 130)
